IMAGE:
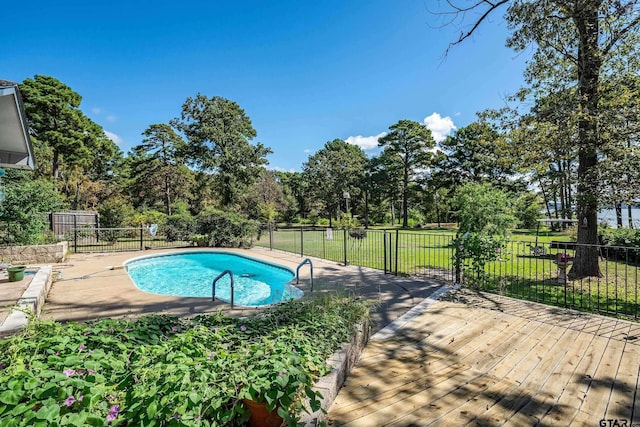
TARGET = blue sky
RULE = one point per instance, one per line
(304, 72)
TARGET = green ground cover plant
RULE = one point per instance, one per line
(166, 371)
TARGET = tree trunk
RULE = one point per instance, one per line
(405, 194)
(366, 208)
(393, 213)
(619, 215)
(563, 206)
(630, 215)
(167, 195)
(56, 164)
(589, 63)
(569, 192)
(544, 197)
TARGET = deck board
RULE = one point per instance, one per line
(495, 362)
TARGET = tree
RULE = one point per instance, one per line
(157, 165)
(53, 109)
(473, 154)
(266, 199)
(335, 169)
(294, 183)
(577, 38)
(407, 147)
(219, 134)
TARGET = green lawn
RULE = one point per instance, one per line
(519, 272)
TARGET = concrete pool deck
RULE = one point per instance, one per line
(95, 285)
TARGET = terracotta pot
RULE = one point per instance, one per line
(260, 416)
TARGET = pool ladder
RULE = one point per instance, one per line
(213, 285)
(306, 261)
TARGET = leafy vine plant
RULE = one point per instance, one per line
(473, 252)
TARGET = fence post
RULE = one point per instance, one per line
(75, 235)
(141, 244)
(324, 245)
(397, 242)
(384, 243)
(344, 244)
(301, 240)
(270, 236)
(456, 257)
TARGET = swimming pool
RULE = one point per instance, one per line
(190, 274)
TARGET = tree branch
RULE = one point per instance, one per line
(618, 35)
(492, 6)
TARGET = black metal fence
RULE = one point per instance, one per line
(536, 271)
(90, 239)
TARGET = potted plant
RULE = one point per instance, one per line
(277, 379)
(16, 273)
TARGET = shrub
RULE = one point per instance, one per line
(473, 252)
(163, 370)
(24, 210)
(227, 229)
(483, 209)
(527, 208)
(179, 227)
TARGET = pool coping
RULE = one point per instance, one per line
(30, 303)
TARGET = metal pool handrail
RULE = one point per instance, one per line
(306, 261)
(213, 285)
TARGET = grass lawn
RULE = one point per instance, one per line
(520, 271)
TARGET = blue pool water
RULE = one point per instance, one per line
(190, 274)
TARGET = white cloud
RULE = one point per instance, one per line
(115, 138)
(439, 126)
(280, 169)
(365, 142)
(96, 110)
(111, 118)
(306, 150)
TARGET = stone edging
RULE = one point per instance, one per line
(341, 362)
(30, 304)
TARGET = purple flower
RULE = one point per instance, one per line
(282, 373)
(90, 371)
(243, 328)
(82, 347)
(216, 330)
(295, 351)
(69, 372)
(174, 328)
(211, 355)
(113, 413)
(70, 401)
(80, 398)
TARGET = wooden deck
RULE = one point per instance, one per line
(487, 360)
